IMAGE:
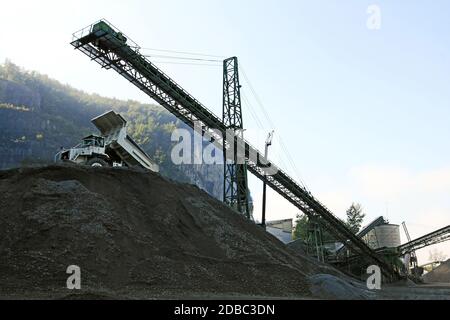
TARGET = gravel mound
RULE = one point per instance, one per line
(440, 274)
(134, 235)
(331, 287)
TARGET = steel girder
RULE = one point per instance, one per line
(429, 239)
(235, 183)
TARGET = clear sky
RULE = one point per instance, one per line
(364, 113)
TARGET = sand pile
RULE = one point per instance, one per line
(440, 274)
(134, 235)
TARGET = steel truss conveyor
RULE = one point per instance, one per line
(429, 239)
(109, 47)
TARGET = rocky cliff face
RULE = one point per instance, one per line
(38, 116)
(207, 177)
(29, 133)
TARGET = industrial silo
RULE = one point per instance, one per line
(387, 236)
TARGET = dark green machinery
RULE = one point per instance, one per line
(102, 27)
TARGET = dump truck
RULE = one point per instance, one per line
(112, 147)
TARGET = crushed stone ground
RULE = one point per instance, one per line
(137, 235)
(439, 275)
(134, 235)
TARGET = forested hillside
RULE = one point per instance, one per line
(39, 115)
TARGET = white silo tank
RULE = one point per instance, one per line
(388, 235)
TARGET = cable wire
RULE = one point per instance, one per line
(253, 112)
(179, 58)
(256, 118)
(183, 52)
(284, 148)
(187, 63)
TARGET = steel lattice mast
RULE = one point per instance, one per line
(235, 184)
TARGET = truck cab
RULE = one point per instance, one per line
(93, 141)
(90, 151)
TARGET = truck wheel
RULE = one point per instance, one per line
(97, 162)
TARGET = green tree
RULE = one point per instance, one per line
(301, 227)
(355, 217)
(160, 156)
(304, 224)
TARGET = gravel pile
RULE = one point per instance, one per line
(440, 274)
(134, 235)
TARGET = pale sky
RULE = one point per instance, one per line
(364, 113)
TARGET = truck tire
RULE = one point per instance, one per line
(97, 162)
